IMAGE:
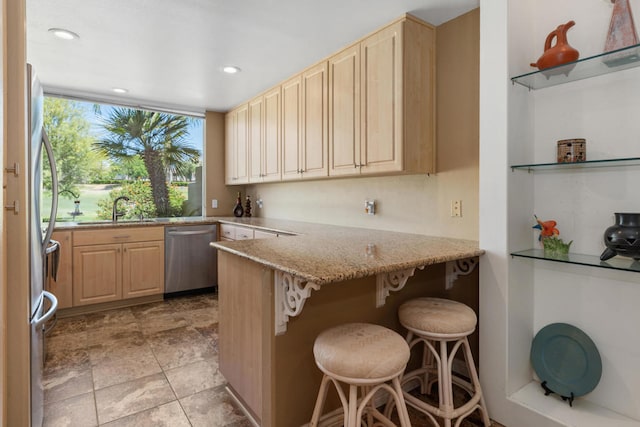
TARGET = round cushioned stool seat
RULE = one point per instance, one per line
(361, 351)
(437, 315)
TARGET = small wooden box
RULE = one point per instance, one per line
(572, 150)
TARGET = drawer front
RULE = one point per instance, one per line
(259, 234)
(117, 235)
(227, 232)
(244, 233)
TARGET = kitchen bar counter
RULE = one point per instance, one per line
(276, 295)
(325, 254)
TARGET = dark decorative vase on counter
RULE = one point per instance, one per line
(623, 238)
(237, 210)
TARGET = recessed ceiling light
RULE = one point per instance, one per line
(119, 90)
(61, 33)
(231, 69)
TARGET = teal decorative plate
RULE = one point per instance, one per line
(567, 359)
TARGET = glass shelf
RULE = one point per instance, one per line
(604, 63)
(615, 263)
(627, 161)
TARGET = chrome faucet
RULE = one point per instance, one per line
(115, 214)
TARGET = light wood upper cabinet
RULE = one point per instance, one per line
(264, 137)
(369, 109)
(271, 158)
(304, 125)
(291, 127)
(344, 112)
(383, 122)
(62, 287)
(229, 148)
(237, 146)
(256, 139)
(381, 107)
(314, 144)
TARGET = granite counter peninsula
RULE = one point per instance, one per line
(276, 295)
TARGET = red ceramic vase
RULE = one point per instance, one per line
(561, 52)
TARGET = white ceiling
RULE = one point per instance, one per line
(168, 53)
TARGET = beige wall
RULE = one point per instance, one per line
(214, 173)
(417, 204)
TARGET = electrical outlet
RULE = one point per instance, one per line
(456, 208)
(214, 203)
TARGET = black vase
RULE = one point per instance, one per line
(623, 238)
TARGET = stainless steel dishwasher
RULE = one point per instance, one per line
(190, 263)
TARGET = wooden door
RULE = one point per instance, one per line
(97, 274)
(256, 135)
(314, 151)
(381, 109)
(271, 145)
(291, 127)
(142, 269)
(62, 287)
(344, 112)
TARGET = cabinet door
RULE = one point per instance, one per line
(271, 144)
(314, 150)
(230, 148)
(242, 145)
(381, 109)
(291, 127)
(256, 135)
(142, 269)
(97, 274)
(344, 112)
(62, 287)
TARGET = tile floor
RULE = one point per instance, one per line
(151, 365)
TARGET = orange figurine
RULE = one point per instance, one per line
(547, 228)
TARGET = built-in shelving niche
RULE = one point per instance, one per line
(616, 263)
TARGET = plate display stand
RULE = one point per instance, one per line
(548, 391)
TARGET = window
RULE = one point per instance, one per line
(105, 151)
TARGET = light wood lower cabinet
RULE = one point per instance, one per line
(140, 274)
(97, 274)
(110, 270)
(230, 232)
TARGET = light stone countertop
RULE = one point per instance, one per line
(321, 253)
(325, 254)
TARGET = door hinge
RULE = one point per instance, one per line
(15, 207)
(15, 169)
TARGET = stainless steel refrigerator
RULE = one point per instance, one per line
(43, 304)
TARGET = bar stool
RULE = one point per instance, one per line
(368, 358)
(436, 320)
